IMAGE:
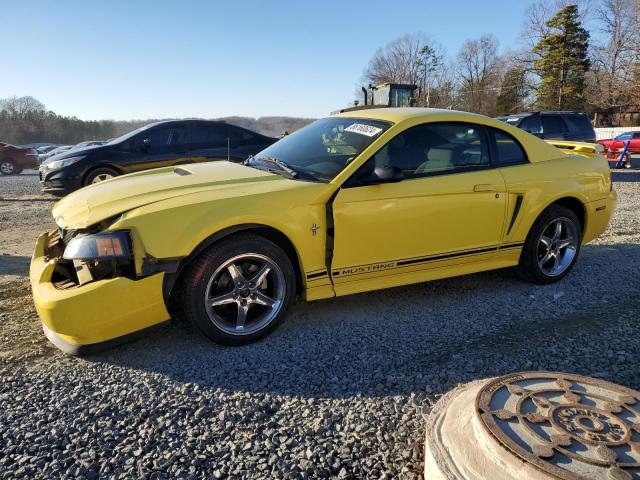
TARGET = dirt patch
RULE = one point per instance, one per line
(21, 337)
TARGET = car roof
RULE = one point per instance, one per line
(543, 112)
(397, 115)
(185, 120)
(410, 116)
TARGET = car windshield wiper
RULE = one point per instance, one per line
(281, 167)
(280, 164)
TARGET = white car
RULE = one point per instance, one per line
(45, 156)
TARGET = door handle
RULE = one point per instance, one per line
(483, 187)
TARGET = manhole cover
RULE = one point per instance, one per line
(567, 426)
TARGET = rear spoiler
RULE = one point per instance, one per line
(577, 147)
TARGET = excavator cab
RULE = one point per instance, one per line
(385, 95)
(392, 95)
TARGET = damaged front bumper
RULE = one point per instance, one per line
(80, 319)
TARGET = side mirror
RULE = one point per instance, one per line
(383, 174)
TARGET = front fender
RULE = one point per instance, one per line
(177, 227)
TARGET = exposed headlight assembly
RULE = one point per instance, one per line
(63, 163)
(102, 246)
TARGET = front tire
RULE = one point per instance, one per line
(238, 290)
(552, 246)
(100, 175)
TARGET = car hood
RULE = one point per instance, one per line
(98, 202)
(66, 154)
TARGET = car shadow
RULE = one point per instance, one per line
(626, 176)
(14, 265)
(420, 338)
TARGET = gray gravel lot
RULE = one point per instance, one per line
(340, 391)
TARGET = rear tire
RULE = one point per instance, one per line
(99, 175)
(552, 246)
(238, 290)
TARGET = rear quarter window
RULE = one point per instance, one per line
(507, 149)
(579, 122)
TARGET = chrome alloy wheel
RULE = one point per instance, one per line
(245, 294)
(557, 246)
(102, 177)
(7, 168)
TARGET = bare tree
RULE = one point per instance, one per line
(611, 81)
(19, 107)
(636, 75)
(413, 59)
(480, 73)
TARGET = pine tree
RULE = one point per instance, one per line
(562, 62)
(513, 91)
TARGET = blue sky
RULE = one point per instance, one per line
(157, 59)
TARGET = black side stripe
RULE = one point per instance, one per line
(516, 211)
(510, 245)
(442, 257)
(317, 275)
(412, 261)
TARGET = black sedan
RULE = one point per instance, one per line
(159, 144)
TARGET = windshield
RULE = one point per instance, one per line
(127, 136)
(322, 149)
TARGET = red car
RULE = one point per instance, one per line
(616, 144)
(15, 159)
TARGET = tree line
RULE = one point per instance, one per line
(559, 65)
(26, 120)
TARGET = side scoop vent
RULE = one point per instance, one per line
(181, 171)
(516, 211)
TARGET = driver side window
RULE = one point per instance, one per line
(435, 148)
(160, 138)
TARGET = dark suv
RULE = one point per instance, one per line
(562, 125)
(159, 144)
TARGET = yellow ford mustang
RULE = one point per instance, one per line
(358, 201)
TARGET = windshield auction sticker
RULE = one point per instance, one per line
(362, 129)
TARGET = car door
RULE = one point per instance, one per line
(160, 146)
(635, 143)
(208, 141)
(449, 209)
(532, 125)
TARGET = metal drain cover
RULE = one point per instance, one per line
(536, 425)
(566, 425)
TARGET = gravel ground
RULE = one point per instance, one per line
(340, 391)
